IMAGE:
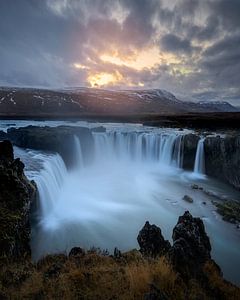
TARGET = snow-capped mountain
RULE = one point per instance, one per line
(83, 101)
(218, 106)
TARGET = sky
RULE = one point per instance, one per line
(188, 47)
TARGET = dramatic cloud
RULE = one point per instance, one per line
(190, 47)
(173, 43)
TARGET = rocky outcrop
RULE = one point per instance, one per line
(222, 158)
(56, 139)
(191, 246)
(16, 195)
(151, 241)
(189, 150)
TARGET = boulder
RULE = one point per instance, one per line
(151, 241)
(188, 199)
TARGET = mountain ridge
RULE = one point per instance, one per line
(82, 101)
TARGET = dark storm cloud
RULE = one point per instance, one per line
(228, 12)
(173, 43)
(40, 41)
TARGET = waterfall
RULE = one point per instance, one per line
(49, 181)
(78, 152)
(199, 165)
(177, 159)
(164, 148)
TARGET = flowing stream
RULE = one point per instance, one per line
(135, 174)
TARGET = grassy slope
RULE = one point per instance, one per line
(95, 276)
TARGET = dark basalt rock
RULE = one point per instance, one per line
(6, 151)
(188, 199)
(191, 246)
(151, 241)
(189, 151)
(222, 158)
(3, 135)
(16, 195)
(55, 139)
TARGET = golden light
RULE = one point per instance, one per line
(104, 79)
(79, 66)
(147, 58)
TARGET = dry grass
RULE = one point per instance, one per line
(97, 277)
(226, 289)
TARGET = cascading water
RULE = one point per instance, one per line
(78, 152)
(49, 182)
(163, 148)
(199, 164)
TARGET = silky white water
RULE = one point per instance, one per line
(199, 165)
(134, 176)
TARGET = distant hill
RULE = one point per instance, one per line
(87, 101)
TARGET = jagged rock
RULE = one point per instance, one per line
(191, 246)
(189, 150)
(151, 241)
(16, 195)
(222, 158)
(188, 199)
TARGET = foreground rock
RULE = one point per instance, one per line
(191, 246)
(151, 241)
(16, 195)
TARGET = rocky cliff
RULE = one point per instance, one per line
(55, 139)
(16, 195)
(222, 158)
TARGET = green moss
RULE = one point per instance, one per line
(229, 210)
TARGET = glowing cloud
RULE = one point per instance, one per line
(147, 58)
(80, 66)
(104, 79)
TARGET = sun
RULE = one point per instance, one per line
(104, 79)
